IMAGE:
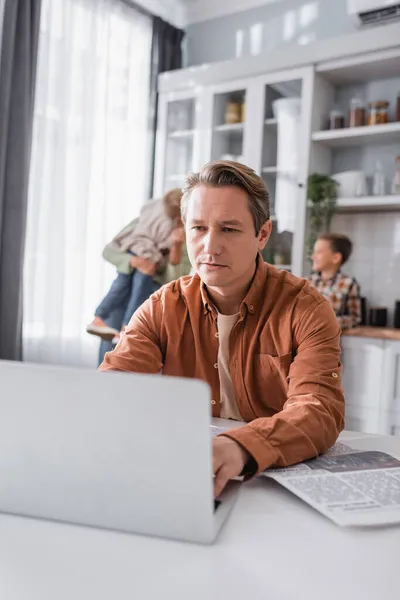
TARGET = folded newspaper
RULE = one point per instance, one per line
(350, 487)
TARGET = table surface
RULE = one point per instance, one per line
(273, 546)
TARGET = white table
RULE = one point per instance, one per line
(273, 547)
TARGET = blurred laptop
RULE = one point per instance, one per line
(129, 452)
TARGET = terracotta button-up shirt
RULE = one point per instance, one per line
(284, 359)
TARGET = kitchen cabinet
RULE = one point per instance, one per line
(371, 383)
(234, 110)
(391, 387)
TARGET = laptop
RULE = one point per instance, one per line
(127, 452)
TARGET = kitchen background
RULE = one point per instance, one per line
(294, 88)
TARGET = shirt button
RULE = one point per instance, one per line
(217, 335)
(335, 375)
(215, 365)
(213, 402)
(251, 308)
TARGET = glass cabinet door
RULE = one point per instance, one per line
(280, 165)
(228, 125)
(179, 148)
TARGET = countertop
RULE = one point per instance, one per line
(386, 333)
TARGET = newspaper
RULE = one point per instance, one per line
(349, 486)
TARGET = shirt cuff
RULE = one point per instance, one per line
(262, 453)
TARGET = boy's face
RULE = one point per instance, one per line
(324, 258)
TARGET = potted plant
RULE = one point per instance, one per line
(322, 194)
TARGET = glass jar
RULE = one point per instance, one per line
(336, 119)
(232, 113)
(396, 179)
(357, 115)
(378, 113)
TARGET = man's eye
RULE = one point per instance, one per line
(229, 229)
(198, 228)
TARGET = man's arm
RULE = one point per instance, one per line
(353, 302)
(139, 350)
(313, 414)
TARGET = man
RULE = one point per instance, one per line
(265, 341)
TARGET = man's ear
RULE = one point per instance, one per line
(264, 234)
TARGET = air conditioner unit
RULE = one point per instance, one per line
(374, 12)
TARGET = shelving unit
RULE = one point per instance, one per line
(183, 133)
(356, 136)
(194, 106)
(368, 203)
(230, 128)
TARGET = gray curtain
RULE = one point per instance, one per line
(166, 55)
(17, 86)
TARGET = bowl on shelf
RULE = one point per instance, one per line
(351, 184)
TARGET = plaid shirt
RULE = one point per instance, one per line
(343, 292)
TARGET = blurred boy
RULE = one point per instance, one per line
(331, 251)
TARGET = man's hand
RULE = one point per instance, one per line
(143, 265)
(229, 460)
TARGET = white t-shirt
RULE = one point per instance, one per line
(229, 409)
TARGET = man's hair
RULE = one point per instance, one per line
(224, 173)
(339, 243)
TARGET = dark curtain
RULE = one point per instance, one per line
(17, 86)
(166, 55)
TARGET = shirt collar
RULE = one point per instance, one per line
(253, 297)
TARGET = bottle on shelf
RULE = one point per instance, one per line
(379, 181)
(396, 179)
(358, 113)
(398, 107)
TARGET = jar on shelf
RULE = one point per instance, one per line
(336, 119)
(232, 113)
(243, 112)
(396, 179)
(357, 116)
(378, 113)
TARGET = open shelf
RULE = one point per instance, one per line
(368, 203)
(181, 133)
(273, 123)
(229, 127)
(359, 136)
(270, 170)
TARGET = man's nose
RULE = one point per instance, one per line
(212, 243)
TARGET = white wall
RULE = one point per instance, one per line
(375, 261)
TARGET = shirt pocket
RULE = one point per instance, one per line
(271, 377)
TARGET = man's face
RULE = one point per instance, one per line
(220, 236)
(323, 258)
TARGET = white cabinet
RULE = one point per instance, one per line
(178, 145)
(391, 387)
(371, 383)
(244, 110)
(264, 122)
(363, 363)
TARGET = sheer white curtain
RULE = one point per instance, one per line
(89, 170)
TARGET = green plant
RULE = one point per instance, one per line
(322, 195)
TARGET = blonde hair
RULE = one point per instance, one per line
(173, 198)
(224, 173)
